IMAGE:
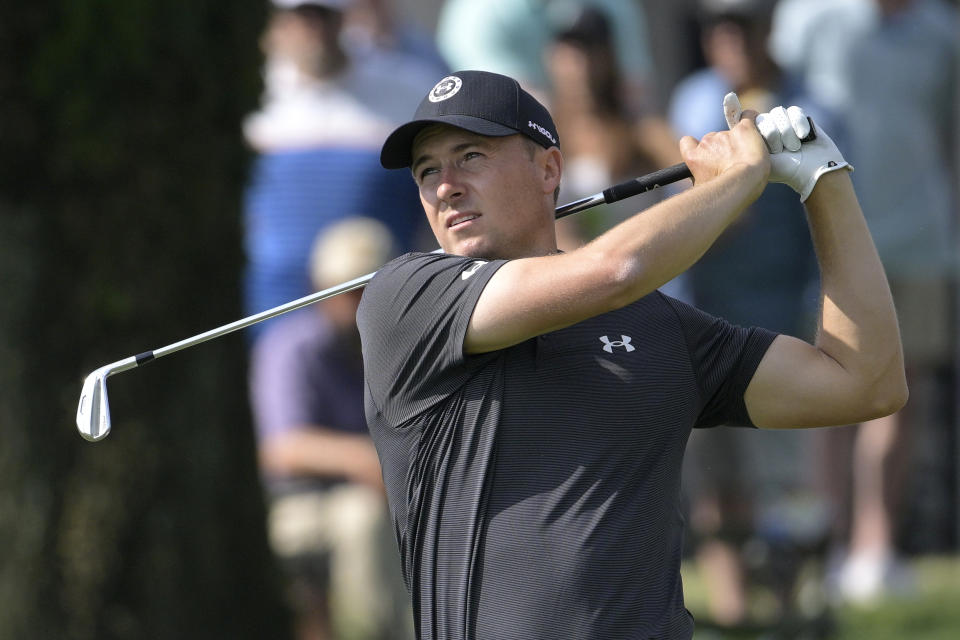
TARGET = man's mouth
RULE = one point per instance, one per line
(460, 219)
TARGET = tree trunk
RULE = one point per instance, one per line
(120, 185)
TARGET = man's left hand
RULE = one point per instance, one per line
(800, 152)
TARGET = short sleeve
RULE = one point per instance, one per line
(724, 358)
(413, 319)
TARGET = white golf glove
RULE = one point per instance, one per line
(799, 152)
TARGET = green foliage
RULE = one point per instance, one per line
(925, 609)
(928, 611)
(120, 193)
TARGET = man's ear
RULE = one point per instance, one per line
(551, 161)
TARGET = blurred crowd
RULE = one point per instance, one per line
(765, 511)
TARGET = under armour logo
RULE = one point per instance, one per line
(624, 342)
(446, 88)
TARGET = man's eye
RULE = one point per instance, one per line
(426, 172)
(471, 154)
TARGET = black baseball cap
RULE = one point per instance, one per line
(481, 102)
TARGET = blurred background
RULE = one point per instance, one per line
(171, 167)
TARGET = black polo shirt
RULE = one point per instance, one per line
(535, 489)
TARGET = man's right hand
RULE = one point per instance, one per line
(718, 152)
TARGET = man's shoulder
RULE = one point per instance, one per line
(417, 286)
(408, 258)
(423, 264)
(391, 278)
(397, 267)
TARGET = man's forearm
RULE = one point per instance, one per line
(858, 323)
(533, 296)
(665, 240)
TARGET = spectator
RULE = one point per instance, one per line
(327, 512)
(317, 135)
(512, 36)
(372, 27)
(728, 471)
(905, 68)
(812, 39)
(602, 144)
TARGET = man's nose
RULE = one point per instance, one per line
(450, 188)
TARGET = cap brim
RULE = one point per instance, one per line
(396, 151)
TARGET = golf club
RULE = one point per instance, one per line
(93, 412)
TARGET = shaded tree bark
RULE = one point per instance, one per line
(120, 183)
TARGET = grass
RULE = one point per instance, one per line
(930, 611)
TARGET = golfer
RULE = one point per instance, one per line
(530, 408)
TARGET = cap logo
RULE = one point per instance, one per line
(543, 131)
(446, 88)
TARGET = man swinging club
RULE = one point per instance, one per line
(530, 408)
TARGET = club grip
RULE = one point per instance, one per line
(650, 181)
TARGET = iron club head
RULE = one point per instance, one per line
(93, 411)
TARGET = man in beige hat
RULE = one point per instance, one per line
(327, 511)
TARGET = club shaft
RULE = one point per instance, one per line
(627, 189)
(293, 305)
(613, 194)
